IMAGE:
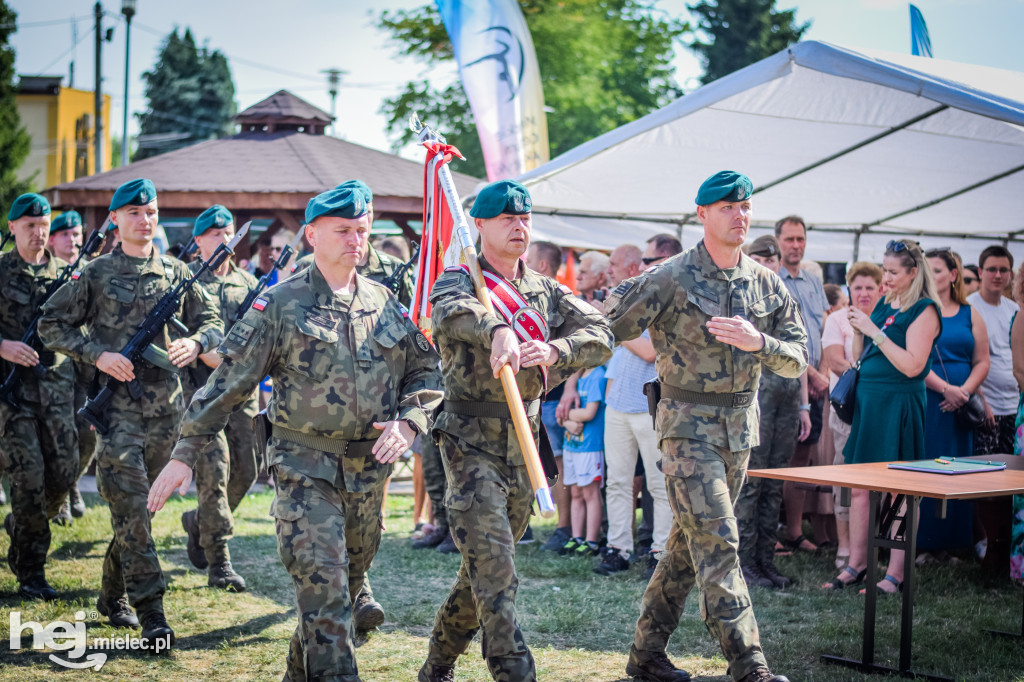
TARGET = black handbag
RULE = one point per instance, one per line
(971, 415)
(844, 395)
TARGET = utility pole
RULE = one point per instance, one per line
(128, 10)
(98, 91)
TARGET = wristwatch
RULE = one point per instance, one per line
(879, 339)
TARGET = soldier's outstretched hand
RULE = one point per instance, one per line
(183, 351)
(736, 331)
(175, 475)
(116, 365)
(396, 439)
(534, 353)
(504, 350)
(19, 353)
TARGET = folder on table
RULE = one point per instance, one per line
(949, 466)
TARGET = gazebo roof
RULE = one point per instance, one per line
(283, 105)
(285, 162)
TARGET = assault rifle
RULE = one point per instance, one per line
(4, 240)
(140, 346)
(394, 280)
(282, 260)
(31, 337)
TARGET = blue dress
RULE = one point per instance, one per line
(943, 438)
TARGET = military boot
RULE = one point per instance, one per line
(196, 555)
(753, 576)
(117, 612)
(436, 673)
(764, 675)
(77, 503)
(433, 538)
(63, 517)
(768, 570)
(36, 587)
(223, 577)
(653, 665)
(155, 627)
(448, 546)
(367, 613)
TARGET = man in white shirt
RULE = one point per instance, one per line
(999, 388)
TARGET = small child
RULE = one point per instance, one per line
(583, 463)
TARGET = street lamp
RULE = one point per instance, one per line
(333, 84)
(128, 10)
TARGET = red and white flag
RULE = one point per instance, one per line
(438, 226)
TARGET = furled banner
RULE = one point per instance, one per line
(499, 73)
(920, 42)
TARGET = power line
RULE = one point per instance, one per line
(67, 51)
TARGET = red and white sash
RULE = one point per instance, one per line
(525, 320)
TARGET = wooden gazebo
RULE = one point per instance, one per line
(268, 171)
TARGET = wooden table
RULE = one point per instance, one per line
(902, 486)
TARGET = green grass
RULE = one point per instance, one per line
(578, 624)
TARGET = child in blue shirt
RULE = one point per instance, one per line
(583, 463)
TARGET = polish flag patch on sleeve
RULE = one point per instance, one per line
(76, 274)
(259, 304)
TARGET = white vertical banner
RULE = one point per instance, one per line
(499, 72)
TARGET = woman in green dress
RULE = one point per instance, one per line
(889, 413)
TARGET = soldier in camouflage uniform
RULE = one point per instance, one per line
(354, 381)
(715, 318)
(227, 469)
(378, 267)
(111, 296)
(65, 241)
(785, 419)
(489, 495)
(40, 445)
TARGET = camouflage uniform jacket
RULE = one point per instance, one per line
(676, 300)
(228, 292)
(22, 287)
(463, 329)
(337, 368)
(112, 296)
(378, 267)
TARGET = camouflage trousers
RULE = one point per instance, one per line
(702, 482)
(86, 434)
(41, 446)
(434, 480)
(225, 471)
(759, 503)
(128, 460)
(489, 506)
(326, 538)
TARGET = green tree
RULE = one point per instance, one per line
(602, 64)
(741, 32)
(191, 97)
(14, 140)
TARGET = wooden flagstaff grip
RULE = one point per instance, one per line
(524, 433)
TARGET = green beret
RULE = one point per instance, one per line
(34, 205)
(764, 246)
(360, 187)
(67, 220)
(724, 186)
(340, 203)
(504, 196)
(215, 216)
(135, 193)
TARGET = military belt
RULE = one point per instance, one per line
(743, 399)
(335, 446)
(487, 410)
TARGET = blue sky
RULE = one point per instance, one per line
(269, 49)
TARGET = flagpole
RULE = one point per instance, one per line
(524, 433)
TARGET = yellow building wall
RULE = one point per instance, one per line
(62, 147)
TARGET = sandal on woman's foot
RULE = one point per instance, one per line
(882, 591)
(839, 584)
(796, 545)
(842, 561)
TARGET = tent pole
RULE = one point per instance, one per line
(853, 148)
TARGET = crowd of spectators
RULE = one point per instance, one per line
(927, 333)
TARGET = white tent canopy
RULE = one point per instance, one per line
(863, 145)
